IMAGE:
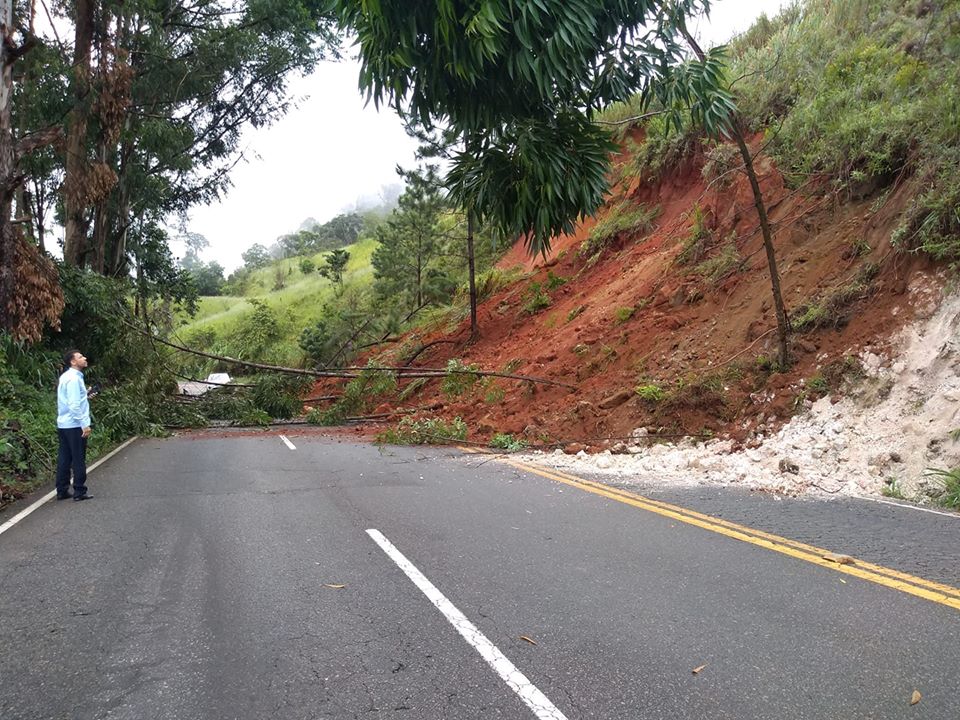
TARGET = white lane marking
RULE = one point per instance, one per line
(955, 516)
(53, 493)
(286, 441)
(516, 680)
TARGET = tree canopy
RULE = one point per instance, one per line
(410, 240)
(519, 80)
(122, 116)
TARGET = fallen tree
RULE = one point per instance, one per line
(354, 371)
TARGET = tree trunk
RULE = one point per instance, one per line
(75, 236)
(8, 162)
(419, 273)
(471, 266)
(783, 323)
(36, 200)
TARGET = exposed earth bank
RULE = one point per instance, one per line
(667, 333)
(881, 437)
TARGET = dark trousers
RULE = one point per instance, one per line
(72, 455)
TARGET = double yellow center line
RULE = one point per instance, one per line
(910, 584)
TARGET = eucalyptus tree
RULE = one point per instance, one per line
(149, 100)
(172, 85)
(30, 294)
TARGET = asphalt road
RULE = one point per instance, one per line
(232, 577)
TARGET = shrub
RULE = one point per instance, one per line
(506, 441)
(427, 431)
(307, 265)
(727, 261)
(818, 385)
(316, 342)
(833, 310)
(651, 392)
(721, 160)
(536, 299)
(622, 218)
(623, 314)
(575, 313)
(256, 332)
(661, 149)
(28, 436)
(555, 281)
(460, 378)
(697, 242)
(279, 395)
(698, 392)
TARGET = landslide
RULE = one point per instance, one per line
(658, 309)
(670, 327)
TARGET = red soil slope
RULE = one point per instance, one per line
(703, 343)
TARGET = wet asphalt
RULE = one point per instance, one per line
(228, 576)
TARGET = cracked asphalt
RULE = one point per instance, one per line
(202, 581)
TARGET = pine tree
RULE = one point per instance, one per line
(409, 240)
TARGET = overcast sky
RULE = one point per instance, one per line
(331, 150)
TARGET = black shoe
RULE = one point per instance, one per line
(85, 496)
(64, 496)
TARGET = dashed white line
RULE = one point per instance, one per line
(286, 441)
(50, 495)
(516, 680)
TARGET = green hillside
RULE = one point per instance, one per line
(220, 323)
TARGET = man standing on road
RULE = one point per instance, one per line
(73, 427)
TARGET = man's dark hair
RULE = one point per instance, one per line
(68, 358)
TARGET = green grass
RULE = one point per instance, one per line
(951, 486)
(725, 263)
(892, 489)
(625, 217)
(622, 314)
(651, 392)
(506, 441)
(297, 305)
(834, 308)
(861, 93)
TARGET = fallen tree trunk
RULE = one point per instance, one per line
(352, 371)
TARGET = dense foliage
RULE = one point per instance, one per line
(519, 80)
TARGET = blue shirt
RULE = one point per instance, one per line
(73, 408)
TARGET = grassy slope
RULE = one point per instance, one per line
(298, 304)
